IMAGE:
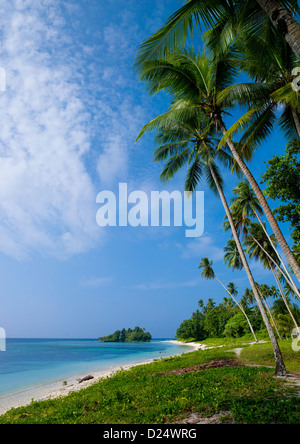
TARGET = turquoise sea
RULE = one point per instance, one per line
(28, 363)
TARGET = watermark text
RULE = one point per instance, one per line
(2, 340)
(161, 208)
(296, 339)
(296, 81)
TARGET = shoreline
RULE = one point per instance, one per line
(56, 389)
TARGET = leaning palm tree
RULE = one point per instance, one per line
(208, 273)
(186, 136)
(210, 97)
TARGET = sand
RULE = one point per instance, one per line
(57, 389)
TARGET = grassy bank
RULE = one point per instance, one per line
(171, 390)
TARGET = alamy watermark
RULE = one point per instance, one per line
(160, 208)
(296, 81)
(2, 340)
(296, 339)
(2, 79)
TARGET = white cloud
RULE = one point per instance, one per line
(112, 163)
(46, 194)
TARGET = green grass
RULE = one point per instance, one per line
(149, 394)
(262, 354)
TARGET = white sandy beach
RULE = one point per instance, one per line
(57, 389)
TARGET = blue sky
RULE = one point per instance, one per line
(70, 115)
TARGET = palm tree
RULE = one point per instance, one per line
(228, 302)
(208, 273)
(233, 289)
(210, 304)
(232, 256)
(247, 298)
(211, 96)
(186, 134)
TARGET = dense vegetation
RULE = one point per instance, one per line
(283, 184)
(136, 335)
(169, 390)
(227, 321)
(218, 321)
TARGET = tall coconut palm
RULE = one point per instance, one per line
(199, 82)
(178, 27)
(208, 273)
(182, 138)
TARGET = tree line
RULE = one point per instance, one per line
(138, 334)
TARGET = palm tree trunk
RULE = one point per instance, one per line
(240, 307)
(284, 22)
(280, 369)
(262, 200)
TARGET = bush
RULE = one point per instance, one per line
(236, 326)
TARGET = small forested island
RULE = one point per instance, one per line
(136, 335)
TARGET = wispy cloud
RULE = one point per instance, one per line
(166, 285)
(45, 189)
(99, 281)
(201, 247)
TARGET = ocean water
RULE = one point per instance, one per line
(29, 363)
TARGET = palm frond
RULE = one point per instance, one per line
(174, 164)
(171, 149)
(237, 126)
(261, 127)
(287, 124)
(194, 176)
(178, 28)
(287, 96)
(210, 180)
(167, 119)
